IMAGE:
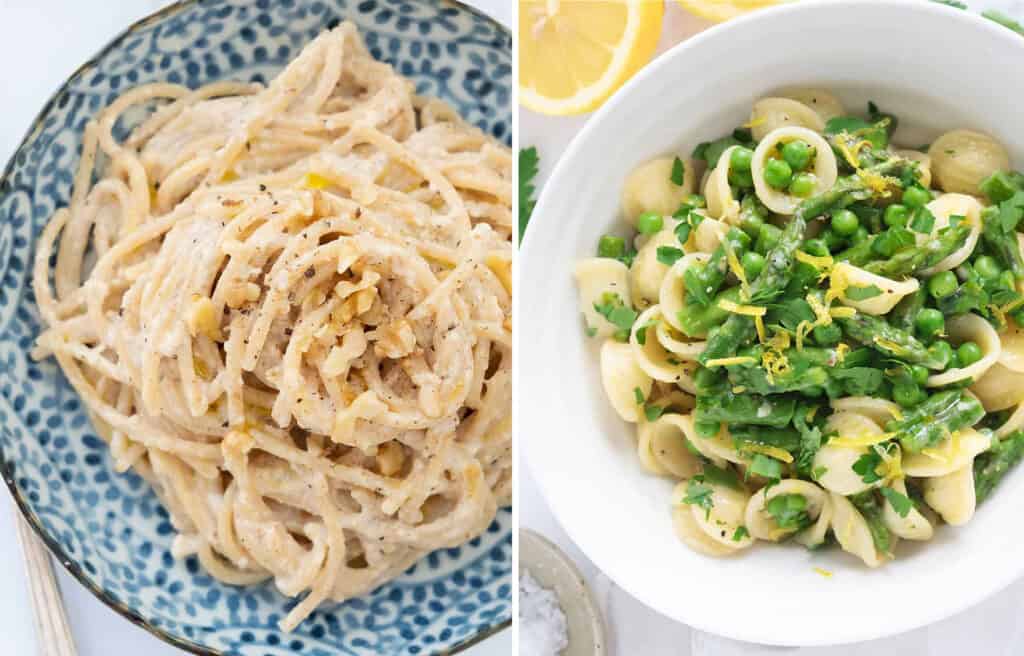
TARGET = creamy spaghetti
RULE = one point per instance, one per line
(289, 309)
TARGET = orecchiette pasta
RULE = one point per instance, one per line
(672, 295)
(890, 292)
(835, 460)
(770, 114)
(852, 531)
(595, 277)
(952, 495)
(647, 272)
(665, 442)
(943, 208)
(649, 188)
(961, 159)
(763, 526)
(721, 203)
(621, 375)
(970, 328)
(910, 526)
(956, 451)
(824, 167)
(823, 102)
(650, 354)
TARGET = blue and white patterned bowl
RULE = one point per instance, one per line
(108, 529)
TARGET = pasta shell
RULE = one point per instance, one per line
(665, 443)
(852, 532)
(761, 525)
(892, 291)
(942, 208)
(621, 376)
(877, 410)
(647, 272)
(825, 168)
(596, 276)
(964, 328)
(914, 526)
(955, 452)
(722, 205)
(824, 103)
(953, 495)
(649, 188)
(672, 295)
(770, 114)
(961, 159)
(651, 356)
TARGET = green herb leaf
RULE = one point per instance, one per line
(669, 255)
(862, 293)
(612, 308)
(923, 221)
(740, 534)
(719, 476)
(789, 511)
(763, 465)
(638, 395)
(866, 467)
(528, 167)
(641, 332)
(678, 171)
(899, 502)
(652, 412)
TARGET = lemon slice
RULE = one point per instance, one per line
(573, 54)
(719, 11)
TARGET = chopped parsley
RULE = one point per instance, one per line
(617, 313)
(866, 467)
(698, 493)
(789, 511)
(678, 171)
(740, 534)
(765, 466)
(669, 255)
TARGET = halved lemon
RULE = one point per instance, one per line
(719, 11)
(573, 54)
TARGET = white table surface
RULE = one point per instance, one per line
(41, 43)
(992, 628)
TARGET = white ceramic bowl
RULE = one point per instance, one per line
(937, 68)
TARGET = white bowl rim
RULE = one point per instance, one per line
(533, 452)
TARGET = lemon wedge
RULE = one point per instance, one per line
(573, 54)
(719, 11)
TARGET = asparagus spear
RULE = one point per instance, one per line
(755, 380)
(939, 415)
(703, 281)
(990, 467)
(913, 259)
(786, 437)
(697, 320)
(745, 409)
(867, 504)
(903, 315)
(889, 340)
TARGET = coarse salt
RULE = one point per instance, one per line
(542, 626)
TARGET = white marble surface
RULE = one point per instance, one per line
(41, 43)
(990, 629)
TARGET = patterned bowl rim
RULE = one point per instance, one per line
(7, 468)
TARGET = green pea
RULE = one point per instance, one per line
(987, 267)
(611, 246)
(907, 394)
(752, 264)
(845, 223)
(954, 361)
(896, 215)
(649, 223)
(705, 378)
(797, 154)
(752, 225)
(708, 429)
(929, 323)
(777, 173)
(814, 391)
(915, 197)
(740, 158)
(768, 238)
(816, 247)
(827, 335)
(968, 353)
(919, 374)
(802, 185)
(859, 236)
(741, 179)
(942, 284)
(942, 351)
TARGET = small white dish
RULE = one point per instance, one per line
(553, 570)
(934, 67)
